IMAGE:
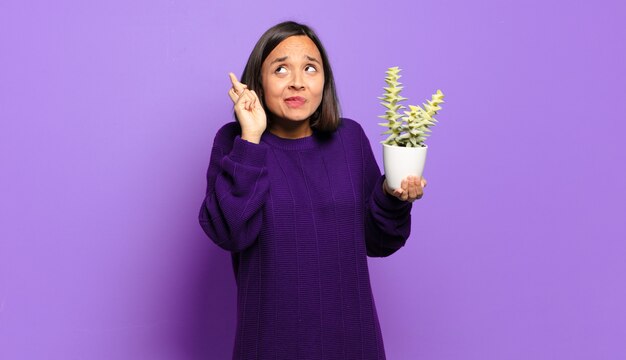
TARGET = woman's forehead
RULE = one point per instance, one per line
(295, 48)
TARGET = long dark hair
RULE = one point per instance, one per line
(326, 117)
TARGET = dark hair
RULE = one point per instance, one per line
(326, 117)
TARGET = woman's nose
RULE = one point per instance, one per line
(297, 82)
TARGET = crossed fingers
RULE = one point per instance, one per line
(237, 89)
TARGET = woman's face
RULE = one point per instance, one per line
(293, 79)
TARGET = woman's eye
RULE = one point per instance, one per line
(281, 70)
(310, 68)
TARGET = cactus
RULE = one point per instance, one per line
(412, 128)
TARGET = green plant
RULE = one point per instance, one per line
(412, 128)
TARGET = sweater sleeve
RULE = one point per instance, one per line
(387, 218)
(237, 186)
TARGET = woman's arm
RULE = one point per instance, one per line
(237, 186)
(237, 181)
(387, 217)
(387, 222)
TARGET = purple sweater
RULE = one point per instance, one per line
(300, 217)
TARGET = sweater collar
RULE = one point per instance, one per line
(307, 142)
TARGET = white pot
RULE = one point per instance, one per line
(401, 162)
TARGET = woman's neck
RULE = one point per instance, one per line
(289, 129)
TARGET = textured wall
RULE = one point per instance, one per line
(107, 115)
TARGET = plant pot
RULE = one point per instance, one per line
(401, 162)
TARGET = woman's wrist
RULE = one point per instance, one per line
(386, 190)
(251, 138)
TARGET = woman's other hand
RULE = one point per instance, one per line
(248, 109)
(411, 188)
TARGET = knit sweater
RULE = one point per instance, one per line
(300, 217)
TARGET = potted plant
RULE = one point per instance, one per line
(404, 150)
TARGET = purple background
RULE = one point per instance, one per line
(108, 112)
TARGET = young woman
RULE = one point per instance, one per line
(295, 194)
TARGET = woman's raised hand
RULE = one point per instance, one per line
(411, 188)
(248, 109)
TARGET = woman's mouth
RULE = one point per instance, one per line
(295, 101)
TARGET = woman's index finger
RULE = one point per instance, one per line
(239, 87)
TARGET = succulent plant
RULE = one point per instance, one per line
(412, 128)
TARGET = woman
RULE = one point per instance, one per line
(295, 194)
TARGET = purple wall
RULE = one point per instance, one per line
(107, 115)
